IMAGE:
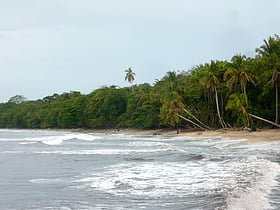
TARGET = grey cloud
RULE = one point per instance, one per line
(49, 46)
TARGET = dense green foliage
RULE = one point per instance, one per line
(218, 94)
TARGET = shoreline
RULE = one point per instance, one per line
(261, 135)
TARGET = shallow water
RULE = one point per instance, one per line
(67, 170)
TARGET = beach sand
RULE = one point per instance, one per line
(254, 136)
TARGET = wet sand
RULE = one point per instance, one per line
(253, 136)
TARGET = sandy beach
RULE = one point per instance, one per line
(254, 136)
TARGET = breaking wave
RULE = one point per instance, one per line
(58, 140)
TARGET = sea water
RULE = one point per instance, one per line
(43, 169)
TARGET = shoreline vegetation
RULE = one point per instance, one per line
(220, 94)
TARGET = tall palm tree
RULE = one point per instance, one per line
(130, 76)
(270, 52)
(211, 82)
(237, 74)
(276, 81)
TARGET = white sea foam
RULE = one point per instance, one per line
(209, 169)
(63, 208)
(152, 180)
(219, 142)
(53, 141)
(256, 196)
(29, 142)
(105, 151)
(11, 139)
(12, 152)
(45, 181)
(262, 146)
(14, 130)
(59, 139)
(49, 140)
(85, 137)
(128, 137)
(147, 179)
(246, 182)
(147, 143)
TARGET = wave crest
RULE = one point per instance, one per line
(58, 140)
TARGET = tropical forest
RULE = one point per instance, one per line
(243, 91)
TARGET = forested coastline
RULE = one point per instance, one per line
(220, 94)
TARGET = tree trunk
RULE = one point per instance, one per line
(276, 102)
(265, 120)
(190, 121)
(218, 109)
(189, 113)
(132, 89)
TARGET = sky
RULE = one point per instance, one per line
(56, 46)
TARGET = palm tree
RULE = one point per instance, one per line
(211, 82)
(237, 74)
(269, 47)
(130, 76)
(270, 52)
(181, 107)
(237, 103)
(172, 78)
(276, 81)
(169, 113)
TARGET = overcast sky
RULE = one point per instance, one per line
(56, 46)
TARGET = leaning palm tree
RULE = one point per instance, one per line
(237, 104)
(130, 76)
(181, 107)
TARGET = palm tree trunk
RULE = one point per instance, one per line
(276, 101)
(189, 113)
(132, 89)
(190, 121)
(218, 110)
(265, 120)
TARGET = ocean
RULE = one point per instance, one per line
(46, 169)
